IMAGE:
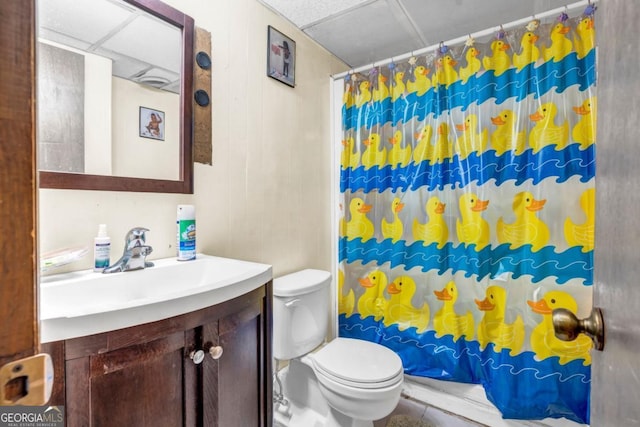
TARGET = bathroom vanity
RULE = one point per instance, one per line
(209, 366)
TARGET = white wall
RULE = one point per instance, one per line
(140, 157)
(267, 196)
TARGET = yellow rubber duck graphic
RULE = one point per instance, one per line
(347, 302)
(583, 234)
(471, 140)
(443, 148)
(505, 137)
(543, 339)
(424, 148)
(435, 230)
(446, 321)
(500, 61)
(372, 302)
(527, 228)
(445, 72)
(393, 230)
(529, 52)
(349, 157)
(560, 45)
(473, 229)
(359, 225)
(397, 88)
(586, 36)
(422, 83)
(348, 100)
(364, 95)
(493, 328)
(398, 155)
(545, 132)
(473, 64)
(373, 155)
(584, 132)
(380, 91)
(400, 311)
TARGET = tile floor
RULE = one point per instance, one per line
(410, 413)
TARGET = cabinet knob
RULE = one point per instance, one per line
(216, 352)
(197, 356)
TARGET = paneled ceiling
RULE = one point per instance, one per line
(142, 48)
(361, 32)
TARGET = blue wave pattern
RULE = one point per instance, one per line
(531, 80)
(548, 162)
(489, 262)
(520, 386)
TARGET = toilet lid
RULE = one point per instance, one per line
(358, 361)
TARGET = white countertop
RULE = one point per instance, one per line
(84, 303)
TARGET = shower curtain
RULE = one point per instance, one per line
(467, 195)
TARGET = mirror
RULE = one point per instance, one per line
(115, 83)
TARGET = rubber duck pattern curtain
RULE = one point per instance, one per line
(467, 194)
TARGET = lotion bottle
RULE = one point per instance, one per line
(101, 249)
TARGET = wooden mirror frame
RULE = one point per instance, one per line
(184, 184)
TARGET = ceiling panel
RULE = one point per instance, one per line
(366, 34)
(303, 13)
(73, 19)
(165, 41)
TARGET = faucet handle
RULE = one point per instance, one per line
(135, 237)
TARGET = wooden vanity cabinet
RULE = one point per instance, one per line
(145, 375)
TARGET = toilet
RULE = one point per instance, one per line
(344, 382)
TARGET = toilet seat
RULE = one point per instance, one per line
(358, 363)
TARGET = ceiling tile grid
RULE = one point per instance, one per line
(361, 32)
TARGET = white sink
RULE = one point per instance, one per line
(84, 303)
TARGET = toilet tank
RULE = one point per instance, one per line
(300, 312)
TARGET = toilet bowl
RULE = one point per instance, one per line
(359, 381)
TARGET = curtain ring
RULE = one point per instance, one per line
(347, 77)
(442, 49)
(501, 33)
(470, 41)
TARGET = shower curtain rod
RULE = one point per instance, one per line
(512, 24)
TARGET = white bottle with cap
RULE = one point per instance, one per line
(101, 249)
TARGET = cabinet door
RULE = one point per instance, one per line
(233, 384)
(150, 384)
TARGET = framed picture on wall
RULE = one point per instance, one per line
(281, 57)
(151, 123)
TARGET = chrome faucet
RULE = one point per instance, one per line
(135, 252)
